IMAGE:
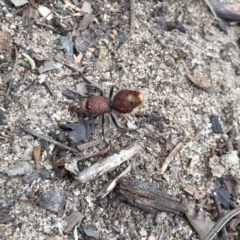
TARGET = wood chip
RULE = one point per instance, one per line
(108, 164)
(72, 220)
(148, 197)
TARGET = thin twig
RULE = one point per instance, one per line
(150, 30)
(46, 138)
(219, 212)
(90, 144)
(132, 16)
(95, 84)
(97, 154)
(220, 223)
(47, 84)
(170, 157)
(72, 6)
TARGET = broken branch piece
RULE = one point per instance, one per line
(148, 197)
(108, 164)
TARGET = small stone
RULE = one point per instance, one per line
(195, 101)
(121, 37)
(37, 50)
(225, 137)
(151, 238)
(20, 168)
(216, 127)
(194, 160)
(67, 43)
(31, 177)
(143, 232)
(53, 200)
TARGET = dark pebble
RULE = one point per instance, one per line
(121, 37)
(30, 177)
(67, 43)
(53, 201)
(45, 174)
(216, 127)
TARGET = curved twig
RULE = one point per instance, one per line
(220, 223)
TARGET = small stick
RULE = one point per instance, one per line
(89, 144)
(78, 93)
(132, 16)
(70, 5)
(97, 154)
(170, 157)
(46, 138)
(151, 31)
(108, 164)
(47, 84)
(95, 84)
(220, 223)
(219, 212)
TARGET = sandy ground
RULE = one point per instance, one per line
(174, 110)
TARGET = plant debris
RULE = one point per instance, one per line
(146, 196)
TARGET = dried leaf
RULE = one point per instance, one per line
(223, 197)
(36, 155)
(198, 194)
(78, 58)
(30, 15)
(197, 78)
(231, 185)
(198, 218)
(85, 22)
(72, 220)
(90, 231)
(200, 80)
(86, 39)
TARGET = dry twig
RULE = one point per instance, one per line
(170, 157)
(148, 197)
(220, 223)
(108, 164)
(151, 31)
(72, 6)
(97, 154)
(46, 138)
